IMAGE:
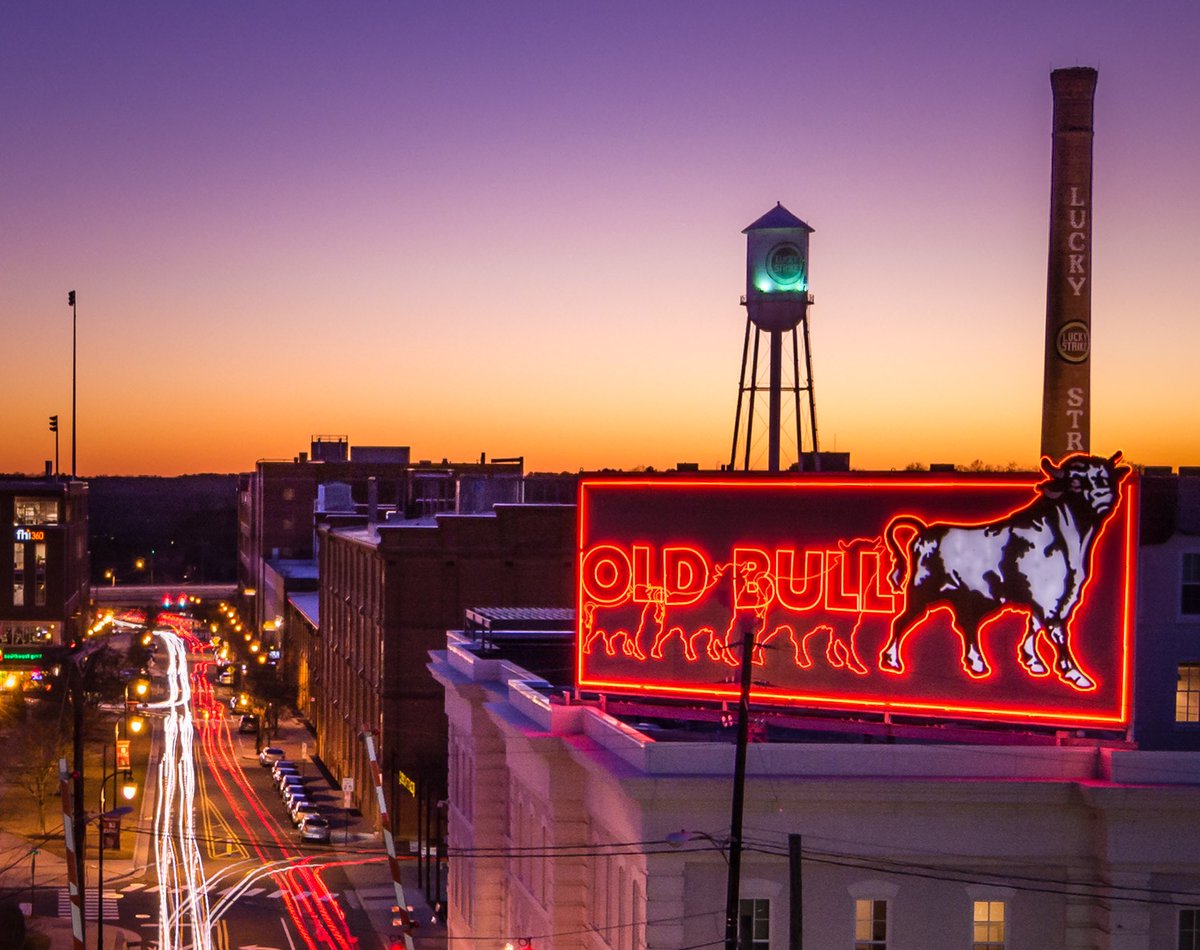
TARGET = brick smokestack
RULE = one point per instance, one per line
(1067, 389)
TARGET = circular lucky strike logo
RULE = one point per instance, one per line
(1074, 341)
(785, 265)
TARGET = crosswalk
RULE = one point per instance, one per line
(90, 903)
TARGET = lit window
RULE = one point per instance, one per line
(18, 597)
(988, 931)
(1189, 928)
(870, 925)
(35, 511)
(754, 924)
(1189, 601)
(1187, 693)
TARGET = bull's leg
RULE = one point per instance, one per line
(902, 624)
(966, 622)
(656, 648)
(689, 643)
(1064, 660)
(1027, 651)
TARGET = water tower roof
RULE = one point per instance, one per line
(777, 218)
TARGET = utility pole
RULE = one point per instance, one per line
(739, 794)
(796, 894)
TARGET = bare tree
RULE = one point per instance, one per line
(36, 746)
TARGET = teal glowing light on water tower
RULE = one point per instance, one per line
(777, 269)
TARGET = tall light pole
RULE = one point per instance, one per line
(129, 790)
(74, 418)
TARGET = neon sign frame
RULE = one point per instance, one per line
(671, 569)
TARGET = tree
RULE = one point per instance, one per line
(36, 747)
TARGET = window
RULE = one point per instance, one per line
(1189, 601)
(18, 597)
(1189, 928)
(988, 932)
(1187, 693)
(35, 511)
(39, 574)
(870, 925)
(754, 924)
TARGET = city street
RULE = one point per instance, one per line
(216, 862)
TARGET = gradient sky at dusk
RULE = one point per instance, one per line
(515, 228)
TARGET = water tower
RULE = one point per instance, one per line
(776, 302)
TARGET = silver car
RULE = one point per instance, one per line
(315, 828)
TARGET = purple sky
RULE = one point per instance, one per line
(515, 227)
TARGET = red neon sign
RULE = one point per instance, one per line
(1003, 597)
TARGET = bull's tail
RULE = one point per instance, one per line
(900, 562)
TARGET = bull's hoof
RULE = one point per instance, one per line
(1033, 665)
(889, 662)
(1076, 678)
(975, 665)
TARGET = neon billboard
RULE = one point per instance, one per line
(1004, 597)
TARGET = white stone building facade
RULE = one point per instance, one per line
(573, 828)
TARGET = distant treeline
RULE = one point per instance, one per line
(183, 529)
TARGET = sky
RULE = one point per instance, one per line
(514, 228)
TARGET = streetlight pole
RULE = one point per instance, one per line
(115, 813)
(74, 418)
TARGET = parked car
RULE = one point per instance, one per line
(227, 676)
(303, 810)
(289, 785)
(315, 828)
(248, 723)
(294, 797)
(270, 755)
(281, 768)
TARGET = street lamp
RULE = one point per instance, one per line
(128, 792)
(111, 576)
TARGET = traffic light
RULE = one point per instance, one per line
(71, 298)
(54, 423)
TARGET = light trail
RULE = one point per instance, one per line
(183, 909)
(193, 716)
(311, 906)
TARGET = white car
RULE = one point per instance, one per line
(302, 808)
(270, 755)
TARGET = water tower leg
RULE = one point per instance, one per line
(753, 393)
(775, 400)
(737, 419)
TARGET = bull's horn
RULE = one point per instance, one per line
(1115, 458)
(1050, 469)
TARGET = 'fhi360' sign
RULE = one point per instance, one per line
(1006, 597)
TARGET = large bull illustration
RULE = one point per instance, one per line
(1036, 560)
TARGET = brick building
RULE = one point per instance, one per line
(44, 589)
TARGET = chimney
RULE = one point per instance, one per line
(1066, 390)
(372, 500)
(49, 468)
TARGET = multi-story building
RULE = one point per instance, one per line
(277, 501)
(600, 818)
(389, 591)
(44, 592)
